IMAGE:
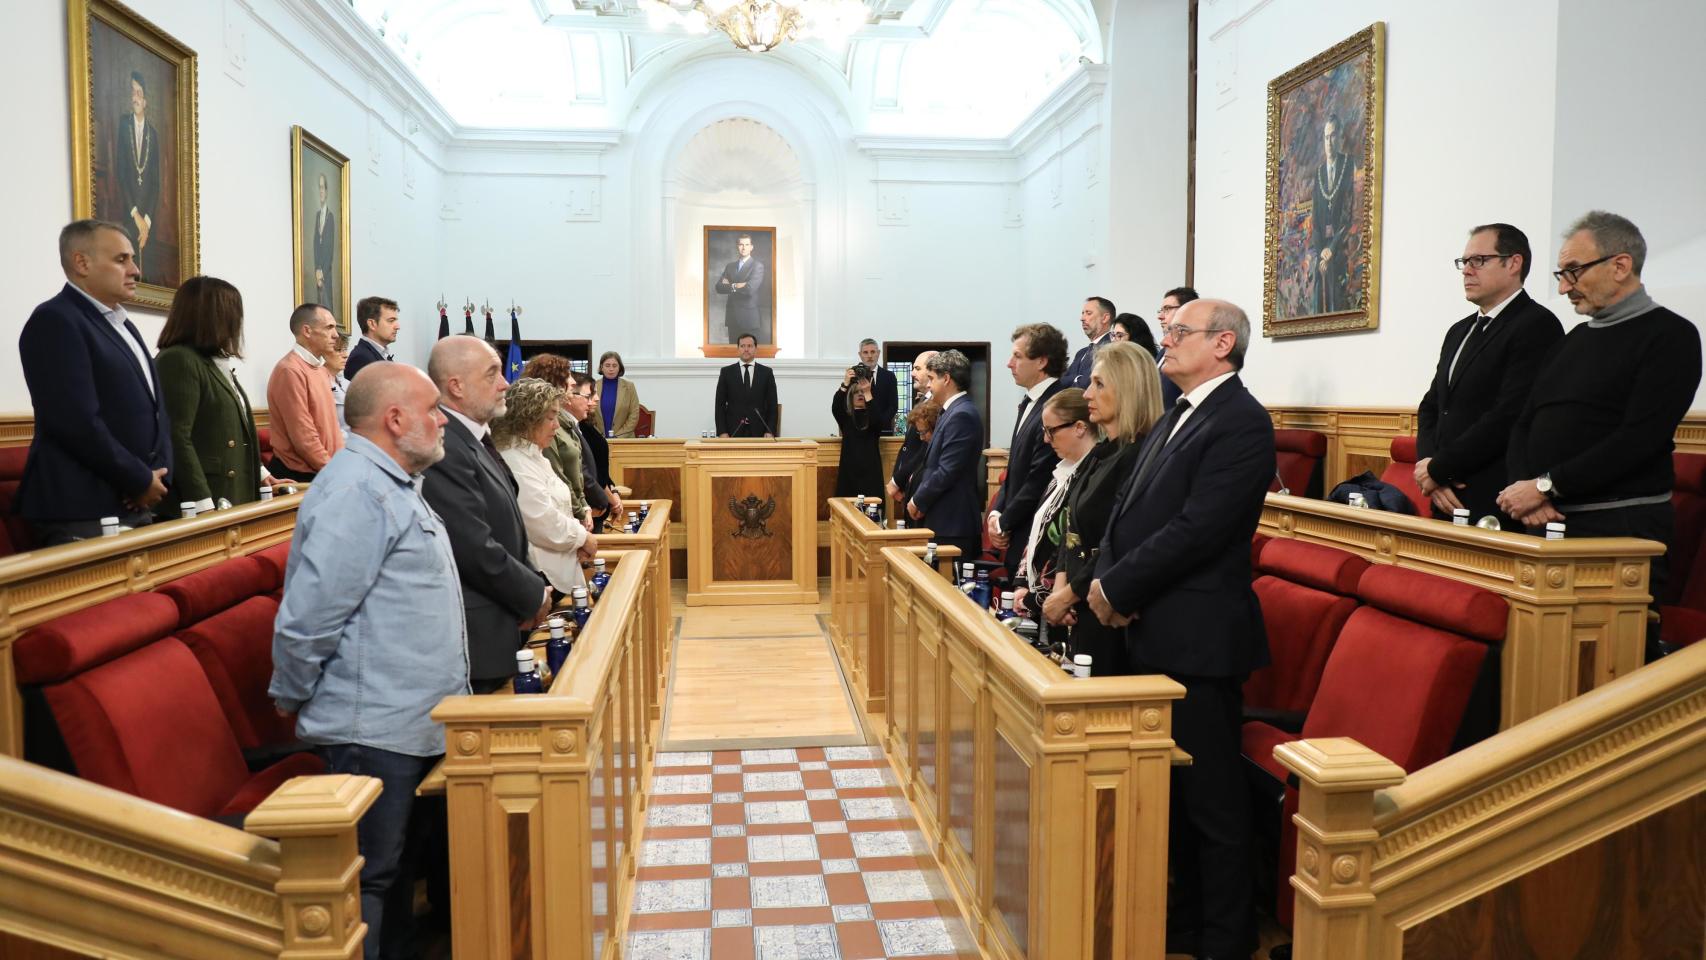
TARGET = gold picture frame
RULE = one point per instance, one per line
(1326, 138)
(133, 140)
(728, 313)
(320, 251)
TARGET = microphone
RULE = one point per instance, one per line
(1283, 489)
(761, 422)
(742, 423)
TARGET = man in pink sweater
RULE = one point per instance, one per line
(304, 415)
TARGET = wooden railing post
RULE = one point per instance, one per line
(1335, 907)
(319, 885)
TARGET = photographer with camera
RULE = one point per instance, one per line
(864, 411)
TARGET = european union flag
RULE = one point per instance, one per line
(512, 368)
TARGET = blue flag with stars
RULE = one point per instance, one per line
(512, 368)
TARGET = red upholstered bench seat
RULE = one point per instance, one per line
(1307, 592)
(14, 532)
(1401, 473)
(1297, 457)
(158, 694)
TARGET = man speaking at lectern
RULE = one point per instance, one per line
(746, 395)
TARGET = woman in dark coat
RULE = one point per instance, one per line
(214, 448)
(861, 468)
(1125, 403)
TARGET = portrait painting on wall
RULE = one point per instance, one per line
(133, 140)
(319, 217)
(740, 289)
(1325, 135)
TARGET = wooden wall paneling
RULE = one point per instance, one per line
(737, 558)
(859, 602)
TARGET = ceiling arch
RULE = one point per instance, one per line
(738, 154)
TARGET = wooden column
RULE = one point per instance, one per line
(319, 886)
(1335, 906)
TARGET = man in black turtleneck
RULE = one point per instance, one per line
(1595, 439)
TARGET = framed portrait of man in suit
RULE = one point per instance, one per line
(740, 289)
(133, 140)
(319, 220)
(1325, 142)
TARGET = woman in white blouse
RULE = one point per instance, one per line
(557, 540)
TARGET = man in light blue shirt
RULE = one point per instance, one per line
(370, 635)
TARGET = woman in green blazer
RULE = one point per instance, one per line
(615, 402)
(214, 450)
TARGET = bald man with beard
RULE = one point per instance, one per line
(503, 596)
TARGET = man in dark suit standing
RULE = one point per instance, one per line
(376, 318)
(746, 395)
(136, 166)
(102, 445)
(471, 488)
(912, 448)
(1039, 353)
(1096, 317)
(944, 494)
(1171, 301)
(743, 282)
(1486, 369)
(325, 252)
(1174, 570)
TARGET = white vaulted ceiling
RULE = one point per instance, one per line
(971, 68)
(738, 154)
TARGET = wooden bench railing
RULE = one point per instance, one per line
(653, 540)
(1578, 834)
(545, 792)
(1578, 607)
(1044, 798)
(858, 622)
(94, 871)
(42, 584)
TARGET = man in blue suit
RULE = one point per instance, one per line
(102, 446)
(1174, 571)
(1096, 317)
(944, 491)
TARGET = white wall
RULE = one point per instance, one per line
(1467, 142)
(261, 68)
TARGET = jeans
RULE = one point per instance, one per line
(387, 885)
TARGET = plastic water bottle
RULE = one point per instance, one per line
(645, 511)
(1355, 500)
(186, 510)
(1081, 665)
(930, 554)
(582, 610)
(557, 648)
(109, 526)
(968, 581)
(1006, 612)
(266, 492)
(633, 521)
(982, 594)
(1460, 517)
(859, 503)
(900, 524)
(1554, 531)
(527, 673)
(600, 577)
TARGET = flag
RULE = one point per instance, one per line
(443, 323)
(512, 368)
(467, 321)
(491, 335)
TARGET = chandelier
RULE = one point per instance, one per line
(758, 26)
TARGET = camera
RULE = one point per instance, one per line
(861, 372)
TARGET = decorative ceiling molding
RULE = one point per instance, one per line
(741, 155)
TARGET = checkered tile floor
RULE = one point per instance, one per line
(797, 854)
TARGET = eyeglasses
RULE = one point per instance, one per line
(1480, 260)
(1167, 308)
(1574, 274)
(1178, 331)
(1118, 336)
(1048, 431)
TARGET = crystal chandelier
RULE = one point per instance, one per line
(758, 26)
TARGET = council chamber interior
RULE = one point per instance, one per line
(779, 700)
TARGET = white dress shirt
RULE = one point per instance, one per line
(1196, 397)
(117, 317)
(1490, 316)
(547, 511)
(384, 351)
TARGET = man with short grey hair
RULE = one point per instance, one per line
(1593, 444)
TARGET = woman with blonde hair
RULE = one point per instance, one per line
(557, 539)
(1124, 404)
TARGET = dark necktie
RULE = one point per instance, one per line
(746, 375)
(503, 468)
(1463, 351)
(1024, 404)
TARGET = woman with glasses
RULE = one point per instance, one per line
(557, 540)
(1123, 403)
(1130, 328)
(1067, 429)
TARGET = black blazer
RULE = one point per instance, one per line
(1089, 503)
(1177, 550)
(360, 355)
(100, 432)
(1078, 371)
(500, 589)
(1466, 426)
(743, 413)
(945, 487)
(1030, 465)
(885, 400)
(911, 455)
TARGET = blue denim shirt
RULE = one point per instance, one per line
(370, 635)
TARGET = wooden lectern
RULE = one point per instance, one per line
(751, 521)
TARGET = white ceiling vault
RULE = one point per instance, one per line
(958, 68)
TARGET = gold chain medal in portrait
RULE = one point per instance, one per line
(1325, 133)
(133, 140)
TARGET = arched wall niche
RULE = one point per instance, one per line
(672, 203)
